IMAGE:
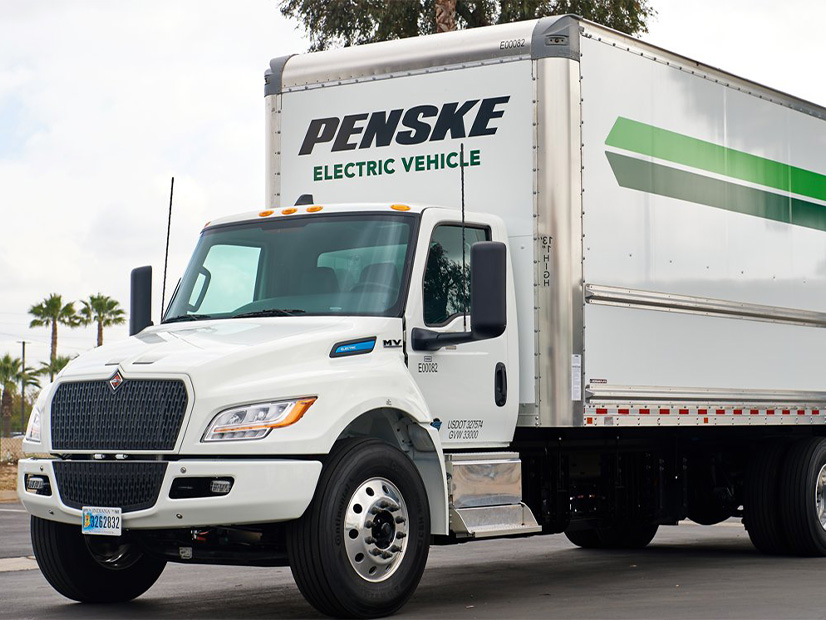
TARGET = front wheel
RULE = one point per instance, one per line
(361, 546)
(91, 569)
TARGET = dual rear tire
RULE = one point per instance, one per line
(785, 499)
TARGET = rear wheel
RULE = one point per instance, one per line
(761, 501)
(91, 569)
(803, 497)
(587, 539)
(360, 548)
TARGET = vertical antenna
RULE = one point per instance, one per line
(166, 256)
(464, 268)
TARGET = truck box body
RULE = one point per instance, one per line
(664, 217)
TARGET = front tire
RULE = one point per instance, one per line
(91, 569)
(361, 546)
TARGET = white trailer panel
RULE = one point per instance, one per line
(704, 219)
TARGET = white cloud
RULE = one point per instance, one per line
(100, 103)
(777, 44)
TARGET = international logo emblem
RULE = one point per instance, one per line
(115, 381)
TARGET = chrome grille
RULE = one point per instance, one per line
(142, 414)
(110, 484)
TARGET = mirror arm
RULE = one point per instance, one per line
(429, 340)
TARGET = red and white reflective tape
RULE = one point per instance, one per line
(658, 415)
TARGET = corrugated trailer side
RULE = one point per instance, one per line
(704, 221)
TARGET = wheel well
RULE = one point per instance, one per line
(420, 444)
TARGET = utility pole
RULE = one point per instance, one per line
(23, 388)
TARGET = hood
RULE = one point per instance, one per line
(225, 347)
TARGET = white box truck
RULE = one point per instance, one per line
(623, 330)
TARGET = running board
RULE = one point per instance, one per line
(492, 521)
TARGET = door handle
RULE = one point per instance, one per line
(500, 385)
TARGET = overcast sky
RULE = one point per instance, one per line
(101, 102)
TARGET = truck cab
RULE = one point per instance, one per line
(381, 332)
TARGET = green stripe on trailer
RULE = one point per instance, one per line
(681, 149)
(645, 176)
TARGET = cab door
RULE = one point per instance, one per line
(471, 388)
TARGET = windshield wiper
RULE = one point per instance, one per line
(188, 317)
(270, 312)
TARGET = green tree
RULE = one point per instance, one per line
(28, 402)
(102, 310)
(11, 374)
(337, 23)
(50, 312)
(52, 367)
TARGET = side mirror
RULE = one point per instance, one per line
(140, 303)
(488, 300)
(488, 282)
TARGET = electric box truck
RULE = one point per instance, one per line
(520, 280)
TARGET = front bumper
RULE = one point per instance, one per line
(263, 491)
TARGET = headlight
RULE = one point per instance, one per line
(33, 429)
(256, 421)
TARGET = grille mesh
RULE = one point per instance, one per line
(111, 484)
(142, 414)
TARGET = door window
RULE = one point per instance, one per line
(446, 283)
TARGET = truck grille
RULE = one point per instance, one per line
(111, 484)
(142, 414)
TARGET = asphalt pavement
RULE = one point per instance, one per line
(688, 571)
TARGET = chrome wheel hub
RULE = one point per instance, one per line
(820, 496)
(375, 529)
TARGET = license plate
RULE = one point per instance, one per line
(101, 521)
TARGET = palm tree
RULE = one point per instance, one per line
(50, 312)
(10, 370)
(102, 310)
(12, 373)
(445, 15)
(53, 367)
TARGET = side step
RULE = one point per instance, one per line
(486, 495)
(493, 521)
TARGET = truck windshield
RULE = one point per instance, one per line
(303, 265)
